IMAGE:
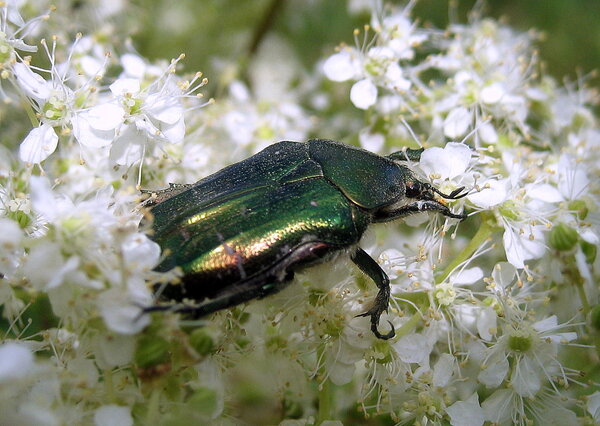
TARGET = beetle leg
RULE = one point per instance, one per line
(255, 288)
(416, 207)
(382, 300)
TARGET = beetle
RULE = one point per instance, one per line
(242, 232)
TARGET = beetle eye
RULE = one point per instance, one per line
(413, 189)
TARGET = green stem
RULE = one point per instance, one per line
(325, 401)
(596, 341)
(581, 291)
(483, 233)
(109, 387)
(30, 112)
(153, 405)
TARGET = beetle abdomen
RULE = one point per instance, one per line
(232, 241)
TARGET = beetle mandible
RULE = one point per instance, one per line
(242, 232)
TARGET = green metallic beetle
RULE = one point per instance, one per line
(242, 232)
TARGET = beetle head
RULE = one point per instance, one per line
(425, 191)
(419, 197)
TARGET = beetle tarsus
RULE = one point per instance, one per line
(386, 336)
(366, 264)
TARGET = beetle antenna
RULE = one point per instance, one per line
(454, 195)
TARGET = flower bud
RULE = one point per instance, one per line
(579, 208)
(563, 237)
(151, 351)
(589, 250)
(202, 343)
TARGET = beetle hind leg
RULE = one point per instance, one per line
(382, 300)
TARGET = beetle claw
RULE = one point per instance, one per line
(386, 336)
(375, 314)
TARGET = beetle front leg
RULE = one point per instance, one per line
(382, 300)
(416, 207)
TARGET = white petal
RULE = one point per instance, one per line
(105, 117)
(163, 108)
(494, 192)
(492, 94)
(113, 415)
(363, 94)
(495, 372)
(340, 67)
(448, 162)
(125, 85)
(487, 133)
(113, 350)
(32, 84)
(121, 313)
(38, 145)
(340, 373)
(16, 361)
(174, 133)
(413, 348)
(504, 274)
(140, 252)
(468, 276)
(589, 236)
(520, 248)
(11, 234)
(457, 123)
(128, 147)
(238, 91)
(371, 141)
(133, 65)
(395, 78)
(443, 370)
(486, 323)
(572, 178)
(91, 66)
(87, 136)
(466, 413)
(498, 407)
(593, 405)
(544, 192)
(525, 379)
(459, 155)
(546, 324)
(43, 200)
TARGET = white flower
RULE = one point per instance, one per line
(493, 193)
(342, 66)
(47, 268)
(363, 94)
(532, 349)
(521, 247)
(457, 123)
(122, 314)
(38, 145)
(466, 413)
(113, 415)
(414, 348)
(16, 361)
(593, 405)
(443, 370)
(446, 163)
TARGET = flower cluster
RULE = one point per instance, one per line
(497, 317)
